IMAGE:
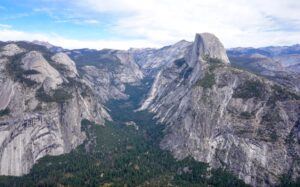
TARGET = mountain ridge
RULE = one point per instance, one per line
(213, 112)
(208, 117)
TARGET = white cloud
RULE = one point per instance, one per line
(91, 21)
(78, 21)
(163, 22)
(235, 22)
(15, 35)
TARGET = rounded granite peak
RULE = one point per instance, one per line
(67, 62)
(207, 45)
(11, 50)
(35, 61)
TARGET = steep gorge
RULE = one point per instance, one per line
(44, 97)
(208, 110)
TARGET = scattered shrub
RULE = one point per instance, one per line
(246, 115)
(212, 60)
(186, 72)
(59, 96)
(287, 181)
(4, 112)
(17, 72)
(249, 89)
(271, 117)
(30, 72)
(269, 120)
(273, 136)
(207, 81)
(215, 61)
(280, 94)
(179, 62)
(42, 96)
(59, 67)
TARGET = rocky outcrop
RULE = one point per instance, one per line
(43, 118)
(128, 71)
(103, 83)
(35, 62)
(48, 46)
(205, 46)
(44, 98)
(66, 64)
(192, 64)
(152, 60)
(280, 64)
(107, 71)
(286, 56)
(11, 50)
(226, 117)
(6, 93)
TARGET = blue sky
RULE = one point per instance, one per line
(122, 24)
(50, 18)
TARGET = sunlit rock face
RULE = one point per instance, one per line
(152, 60)
(41, 111)
(225, 116)
(107, 71)
(207, 45)
(191, 64)
(34, 61)
(66, 63)
(11, 50)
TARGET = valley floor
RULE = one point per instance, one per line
(124, 152)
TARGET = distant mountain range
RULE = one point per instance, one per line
(287, 56)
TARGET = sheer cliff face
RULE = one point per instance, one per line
(107, 71)
(44, 97)
(42, 104)
(152, 60)
(227, 117)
